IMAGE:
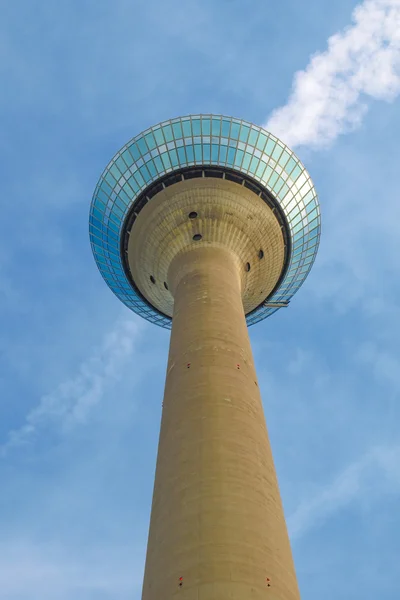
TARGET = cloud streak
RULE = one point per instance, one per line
(70, 403)
(329, 97)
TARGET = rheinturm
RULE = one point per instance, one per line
(205, 225)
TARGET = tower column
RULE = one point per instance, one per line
(217, 519)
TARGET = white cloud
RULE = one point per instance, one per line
(72, 400)
(328, 97)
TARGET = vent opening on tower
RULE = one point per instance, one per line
(247, 267)
(260, 254)
(193, 215)
(165, 285)
(197, 237)
(152, 279)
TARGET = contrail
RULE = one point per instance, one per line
(330, 96)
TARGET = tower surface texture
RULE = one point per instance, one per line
(206, 224)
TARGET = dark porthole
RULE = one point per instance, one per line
(247, 267)
(261, 254)
(197, 237)
(152, 279)
(165, 285)
(192, 215)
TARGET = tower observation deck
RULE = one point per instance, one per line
(204, 225)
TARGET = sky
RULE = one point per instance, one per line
(81, 377)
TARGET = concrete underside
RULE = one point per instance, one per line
(228, 215)
(217, 519)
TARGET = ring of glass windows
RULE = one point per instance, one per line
(203, 141)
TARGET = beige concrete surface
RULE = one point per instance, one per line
(228, 215)
(217, 519)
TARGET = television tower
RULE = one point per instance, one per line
(204, 225)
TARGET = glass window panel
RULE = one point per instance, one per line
(284, 158)
(196, 126)
(273, 179)
(239, 158)
(244, 133)
(226, 125)
(96, 222)
(312, 214)
(253, 137)
(190, 153)
(206, 126)
(223, 152)
(173, 158)
(132, 182)
(235, 131)
(216, 126)
(110, 179)
(260, 169)
(145, 173)
(134, 151)
(267, 173)
(127, 158)
(152, 168)
(121, 165)
(283, 191)
(99, 205)
(197, 153)
(262, 139)
(187, 128)
(159, 164)
(97, 214)
(167, 130)
(141, 144)
(165, 159)
(253, 164)
(150, 140)
(159, 136)
(290, 165)
(139, 178)
(269, 146)
(214, 153)
(231, 156)
(296, 172)
(206, 152)
(177, 129)
(311, 205)
(182, 155)
(116, 173)
(246, 161)
(276, 152)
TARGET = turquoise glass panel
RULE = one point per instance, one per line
(141, 144)
(197, 153)
(269, 147)
(182, 155)
(214, 152)
(187, 128)
(165, 159)
(134, 150)
(235, 128)
(262, 140)
(167, 131)
(145, 173)
(158, 163)
(206, 126)
(206, 152)
(150, 141)
(231, 156)
(177, 129)
(253, 137)
(223, 152)
(127, 156)
(246, 161)
(196, 127)
(244, 133)
(173, 158)
(190, 153)
(226, 126)
(239, 158)
(159, 136)
(216, 127)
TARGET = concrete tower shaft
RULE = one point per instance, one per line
(217, 519)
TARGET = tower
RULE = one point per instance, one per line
(205, 225)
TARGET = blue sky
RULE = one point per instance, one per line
(81, 378)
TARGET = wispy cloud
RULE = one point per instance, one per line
(72, 400)
(328, 97)
(366, 479)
